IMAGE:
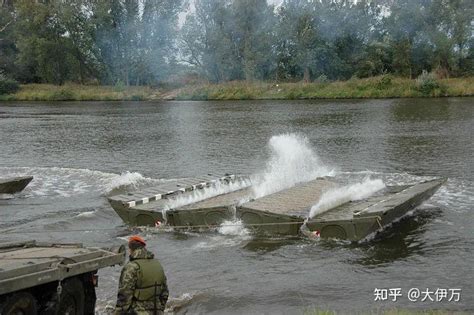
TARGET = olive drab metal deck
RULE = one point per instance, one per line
(14, 184)
(185, 204)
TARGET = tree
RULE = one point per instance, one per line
(252, 34)
(207, 43)
(449, 28)
(8, 50)
(157, 34)
(84, 54)
(41, 43)
(298, 38)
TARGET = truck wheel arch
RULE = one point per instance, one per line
(72, 297)
(19, 303)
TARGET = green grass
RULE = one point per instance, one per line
(375, 87)
(77, 92)
(385, 86)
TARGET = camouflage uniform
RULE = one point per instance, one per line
(127, 301)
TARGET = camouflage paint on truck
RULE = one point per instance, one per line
(47, 278)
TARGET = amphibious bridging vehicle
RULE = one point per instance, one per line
(185, 204)
(14, 184)
(46, 278)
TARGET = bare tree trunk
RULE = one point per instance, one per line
(306, 76)
(81, 66)
(127, 75)
(3, 28)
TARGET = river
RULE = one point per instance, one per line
(79, 152)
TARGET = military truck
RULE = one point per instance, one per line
(47, 278)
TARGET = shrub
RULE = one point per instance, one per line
(8, 86)
(293, 95)
(322, 79)
(426, 82)
(384, 82)
(62, 95)
(136, 97)
(119, 86)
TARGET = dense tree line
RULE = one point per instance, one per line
(143, 42)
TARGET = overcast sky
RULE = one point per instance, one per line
(182, 15)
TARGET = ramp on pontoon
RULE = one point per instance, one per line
(151, 206)
(356, 220)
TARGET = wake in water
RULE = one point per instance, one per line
(292, 161)
(67, 182)
(6, 196)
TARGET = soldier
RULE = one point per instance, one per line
(142, 287)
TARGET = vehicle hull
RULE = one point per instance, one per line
(285, 212)
(14, 185)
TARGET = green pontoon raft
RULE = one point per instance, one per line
(208, 201)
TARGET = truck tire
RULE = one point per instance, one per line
(71, 301)
(22, 303)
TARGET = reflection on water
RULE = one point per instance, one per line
(399, 241)
(423, 110)
(270, 244)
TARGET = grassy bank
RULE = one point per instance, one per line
(376, 87)
(77, 92)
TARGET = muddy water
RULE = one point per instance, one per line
(78, 152)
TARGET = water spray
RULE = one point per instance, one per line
(292, 161)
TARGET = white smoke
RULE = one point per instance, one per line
(292, 161)
(341, 195)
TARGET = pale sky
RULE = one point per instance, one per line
(182, 15)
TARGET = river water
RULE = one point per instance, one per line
(79, 152)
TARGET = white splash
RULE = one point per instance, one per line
(292, 161)
(176, 303)
(66, 182)
(233, 227)
(6, 196)
(208, 192)
(86, 214)
(125, 179)
(341, 195)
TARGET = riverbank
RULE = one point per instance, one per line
(78, 92)
(375, 87)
